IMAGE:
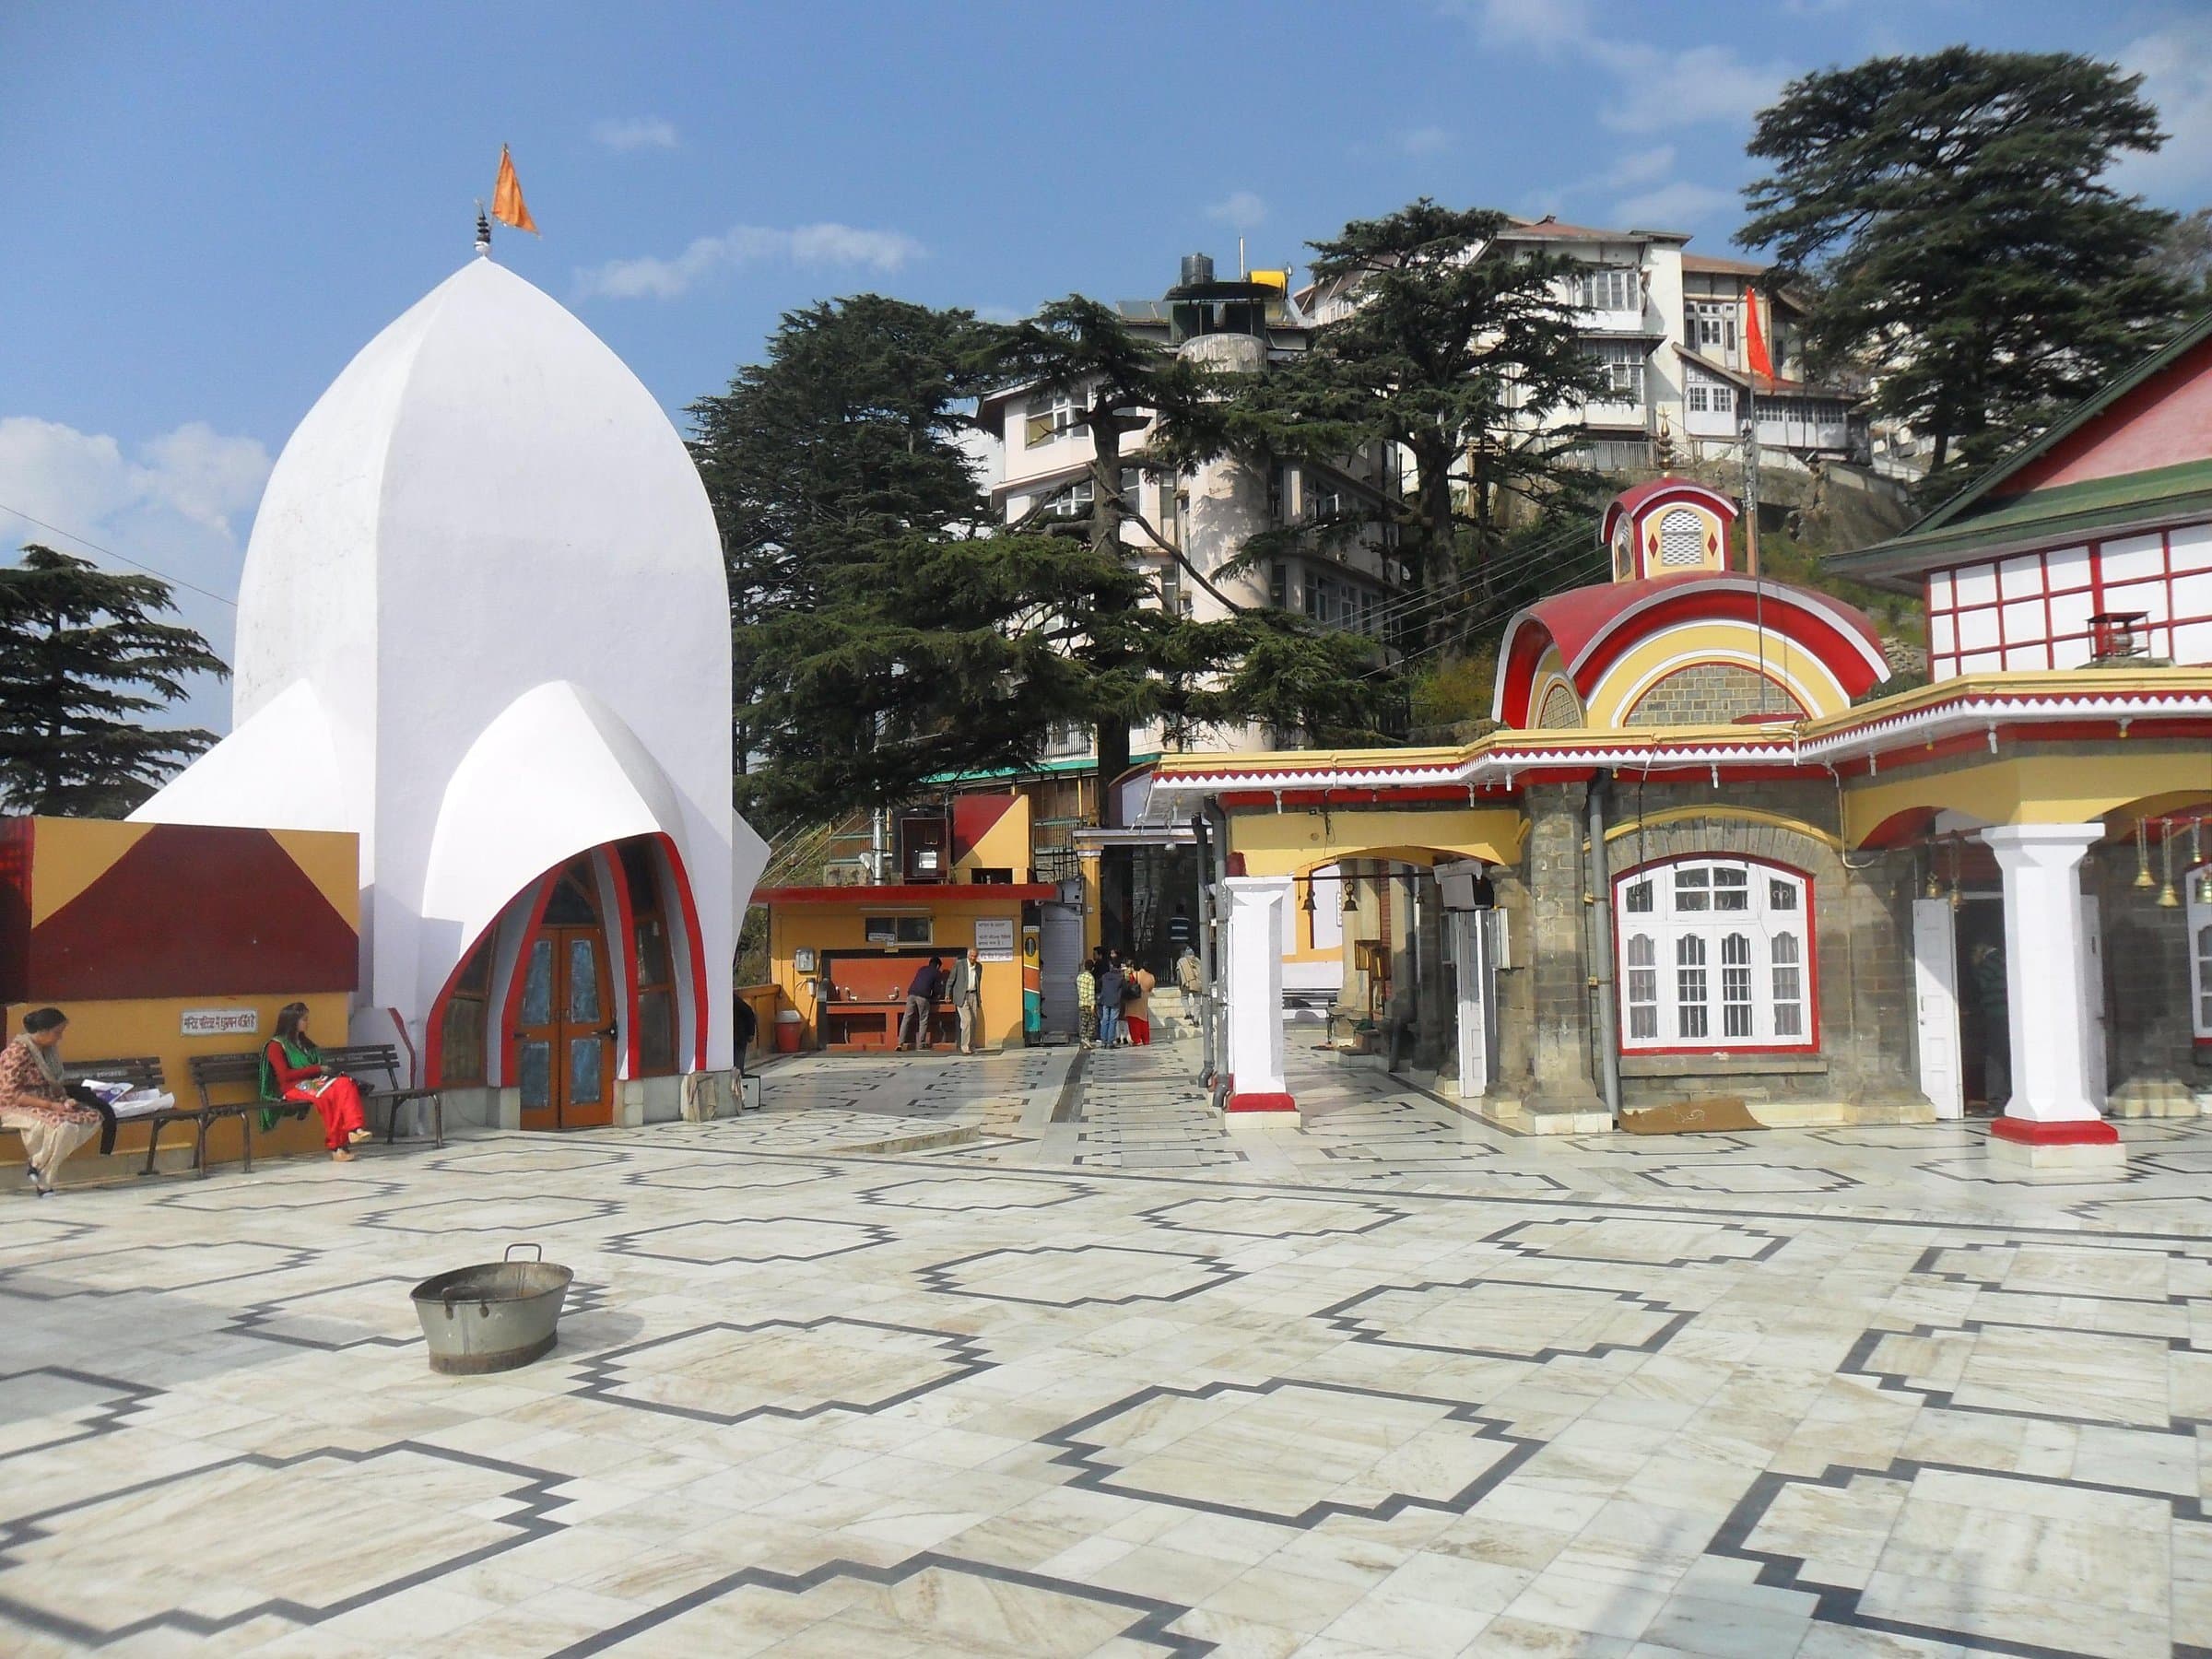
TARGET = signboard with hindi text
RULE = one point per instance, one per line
(220, 1022)
(995, 938)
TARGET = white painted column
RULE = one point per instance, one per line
(2046, 968)
(1258, 909)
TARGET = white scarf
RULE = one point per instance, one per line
(49, 1061)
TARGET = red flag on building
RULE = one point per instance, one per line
(507, 204)
(1754, 338)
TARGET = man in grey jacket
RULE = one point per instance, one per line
(968, 996)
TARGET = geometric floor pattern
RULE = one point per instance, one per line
(1081, 1370)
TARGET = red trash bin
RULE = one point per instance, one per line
(790, 1030)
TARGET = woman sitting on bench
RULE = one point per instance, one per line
(35, 1102)
(291, 1069)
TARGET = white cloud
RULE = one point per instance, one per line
(1655, 88)
(1241, 210)
(1640, 167)
(1682, 206)
(73, 478)
(2176, 66)
(1660, 88)
(1546, 25)
(637, 132)
(1426, 141)
(176, 503)
(748, 244)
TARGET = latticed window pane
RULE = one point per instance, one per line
(1735, 987)
(1639, 900)
(1643, 984)
(1691, 882)
(1789, 986)
(1731, 888)
(1690, 986)
(1782, 895)
(1682, 538)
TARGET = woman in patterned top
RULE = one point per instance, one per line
(34, 1102)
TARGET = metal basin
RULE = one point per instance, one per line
(494, 1316)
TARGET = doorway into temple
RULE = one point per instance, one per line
(566, 1027)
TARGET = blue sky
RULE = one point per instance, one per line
(208, 208)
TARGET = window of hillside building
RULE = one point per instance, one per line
(1133, 492)
(655, 961)
(1278, 585)
(1323, 503)
(1620, 364)
(461, 1031)
(1608, 287)
(896, 930)
(1050, 417)
(1709, 325)
(1715, 954)
(1707, 399)
(1075, 501)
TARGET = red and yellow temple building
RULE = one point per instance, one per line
(1723, 878)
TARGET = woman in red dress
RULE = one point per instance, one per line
(293, 1069)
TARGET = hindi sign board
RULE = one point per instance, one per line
(995, 938)
(221, 1022)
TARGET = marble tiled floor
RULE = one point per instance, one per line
(1011, 1355)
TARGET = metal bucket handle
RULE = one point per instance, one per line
(512, 1248)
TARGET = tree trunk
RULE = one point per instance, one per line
(1111, 734)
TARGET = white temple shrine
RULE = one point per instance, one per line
(484, 625)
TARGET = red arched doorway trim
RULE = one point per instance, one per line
(604, 860)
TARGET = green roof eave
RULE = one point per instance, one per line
(2039, 517)
(1045, 769)
(1991, 482)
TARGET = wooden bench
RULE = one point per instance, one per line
(357, 1059)
(225, 1071)
(141, 1072)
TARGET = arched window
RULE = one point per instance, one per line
(1681, 539)
(1737, 961)
(462, 1022)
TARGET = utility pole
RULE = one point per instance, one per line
(1748, 433)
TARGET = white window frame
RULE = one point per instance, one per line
(1074, 502)
(1622, 364)
(1697, 978)
(1050, 417)
(1608, 288)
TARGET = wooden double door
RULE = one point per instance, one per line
(566, 1027)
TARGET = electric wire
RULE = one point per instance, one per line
(85, 541)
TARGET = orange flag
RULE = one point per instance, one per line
(1754, 338)
(507, 204)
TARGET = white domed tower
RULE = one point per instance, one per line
(484, 625)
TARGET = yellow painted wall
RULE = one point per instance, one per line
(1004, 846)
(2029, 788)
(124, 1030)
(841, 926)
(1617, 692)
(1288, 843)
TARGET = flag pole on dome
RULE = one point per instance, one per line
(483, 231)
(507, 204)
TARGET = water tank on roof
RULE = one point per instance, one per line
(1198, 269)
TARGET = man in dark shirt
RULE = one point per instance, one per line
(1181, 932)
(1111, 980)
(921, 996)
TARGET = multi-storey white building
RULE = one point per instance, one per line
(1186, 528)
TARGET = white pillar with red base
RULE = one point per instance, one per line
(1257, 907)
(2054, 1119)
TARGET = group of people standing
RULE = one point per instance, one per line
(54, 1116)
(1113, 1000)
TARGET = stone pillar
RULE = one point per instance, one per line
(2053, 1119)
(1560, 1080)
(1257, 905)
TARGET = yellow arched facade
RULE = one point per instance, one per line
(1808, 682)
